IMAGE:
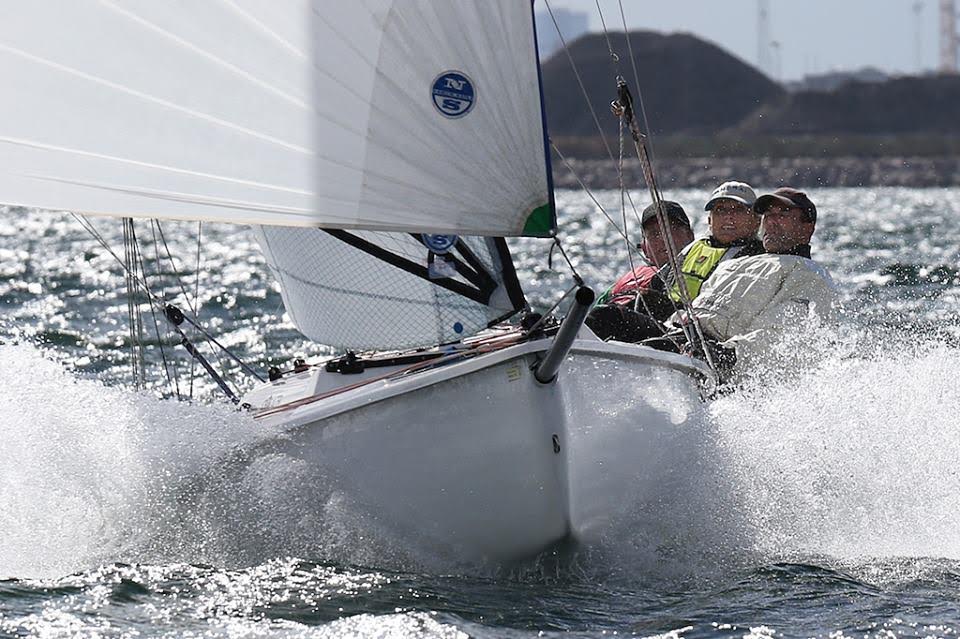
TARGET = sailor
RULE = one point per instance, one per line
(634, 308)
(733, 233)
(655, 253)
(747, 303)
(624, 310)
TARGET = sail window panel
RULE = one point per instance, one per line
(482, 173)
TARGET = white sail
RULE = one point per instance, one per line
(198, 110)
(430, 116)
(409, 115)
(339, 294)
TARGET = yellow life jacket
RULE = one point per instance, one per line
(699, 262)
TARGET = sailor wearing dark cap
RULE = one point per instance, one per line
(632, 308)
(654, 243)
(788, 219)
(746, 304)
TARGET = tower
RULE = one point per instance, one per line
(763, 36)
(918, 35)
(948, 37)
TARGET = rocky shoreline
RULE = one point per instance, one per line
(917, 172)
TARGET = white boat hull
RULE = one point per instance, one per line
(479, 460)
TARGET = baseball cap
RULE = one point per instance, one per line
(736, 191)
(787, 196)
(673, 210)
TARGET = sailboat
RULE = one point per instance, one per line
(382, 150)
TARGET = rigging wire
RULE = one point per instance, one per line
(558, 245)
(88, 226)
(623, 204)
(156, 326)
(638, 299)
(158, 262)
(630, 247)
(183, 291)
(613, 56)
(664, 226)
(576, 73)
(583, 91)
(623, 108)
(186, 296)
(196, 299)
(625, 103)
(134, 317)
(589, 193)
(636, 82)
(195, 312)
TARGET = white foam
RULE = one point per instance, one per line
(92, 474)
(87, 471)
(856, 457)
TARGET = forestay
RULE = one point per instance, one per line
(337, 293)
(409, 115)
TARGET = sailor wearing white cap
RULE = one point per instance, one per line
(733, 233)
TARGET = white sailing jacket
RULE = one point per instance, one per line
(747, 302)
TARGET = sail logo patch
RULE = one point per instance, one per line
(453, 94)
(439, 244)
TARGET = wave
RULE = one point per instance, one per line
(853, 456)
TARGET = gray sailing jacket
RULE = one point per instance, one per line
(747, 303)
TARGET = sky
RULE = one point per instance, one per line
(813, 36)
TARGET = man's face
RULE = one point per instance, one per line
(654, 244)
(731, 221)
(785, 227)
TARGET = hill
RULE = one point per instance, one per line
(689, 86)
(900, 106)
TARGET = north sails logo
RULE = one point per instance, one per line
(439, 243)
(453, 94)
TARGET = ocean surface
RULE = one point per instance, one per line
(116, 521)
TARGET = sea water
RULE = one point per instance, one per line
(826, 502)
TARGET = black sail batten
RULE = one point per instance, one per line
(486, 280)
(509, 273)
(472, 293)
(469, 267)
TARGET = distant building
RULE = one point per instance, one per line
(834, 80)
(573, 24)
